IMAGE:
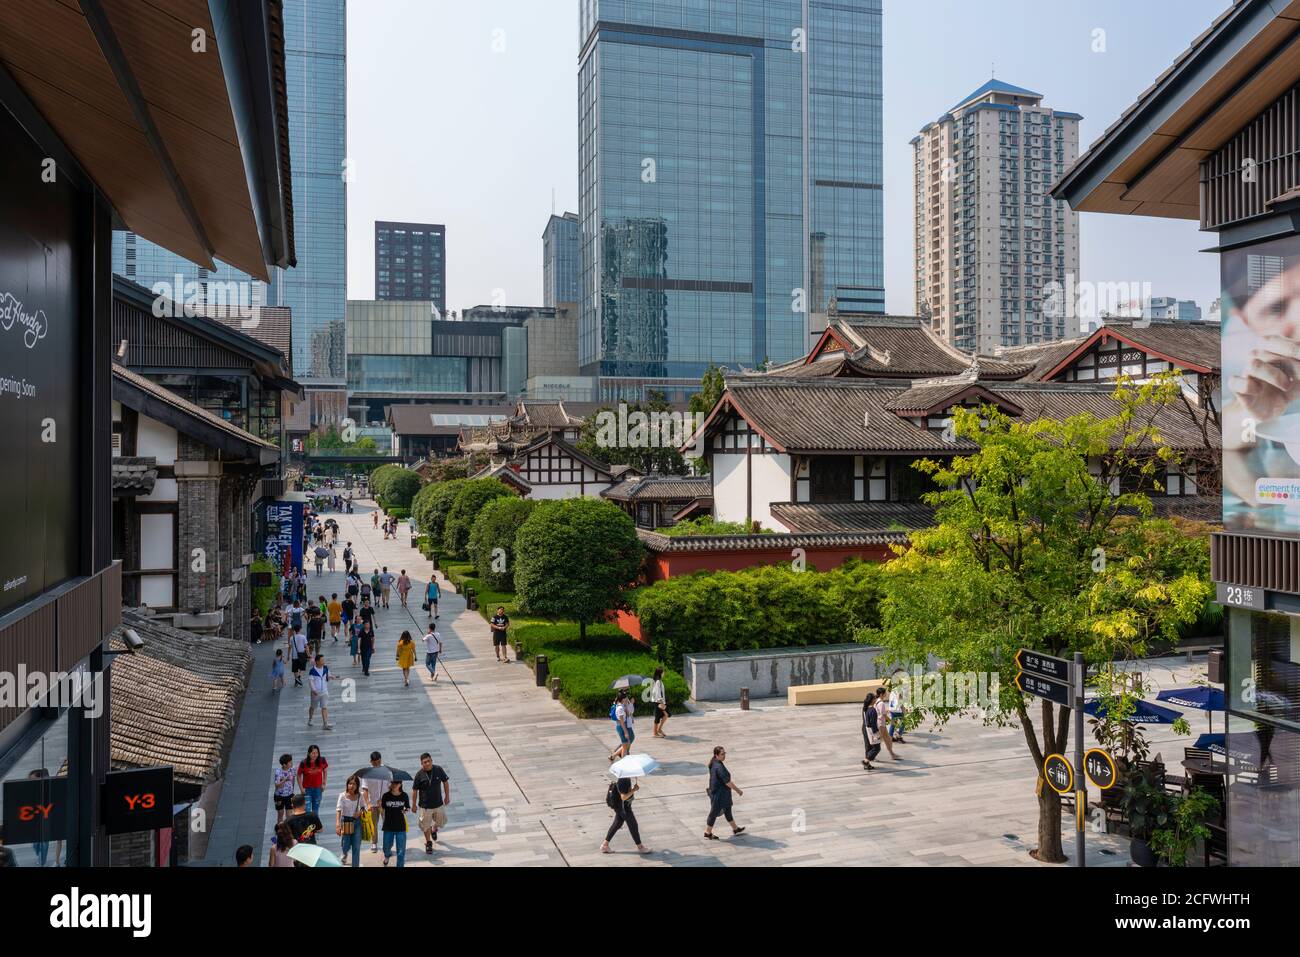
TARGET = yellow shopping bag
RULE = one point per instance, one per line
(367, 827)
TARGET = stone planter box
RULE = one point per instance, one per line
(769, 673)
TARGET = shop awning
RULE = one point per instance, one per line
(176, 111)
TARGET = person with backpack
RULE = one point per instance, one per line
(319, 677)
(295, 615)
(347, 558)
(719, 791)
(870, 730)
(619, 799)
(620, 712)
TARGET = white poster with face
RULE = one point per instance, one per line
(1261, 386)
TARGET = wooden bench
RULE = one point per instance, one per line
(836, 692)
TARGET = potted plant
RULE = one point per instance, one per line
(1185, 826)
(1148, 808)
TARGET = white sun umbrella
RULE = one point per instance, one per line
(633, 766)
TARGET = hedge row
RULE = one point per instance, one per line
(764, 607)
(587, 667)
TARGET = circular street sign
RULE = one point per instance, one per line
(1099, 766)
(1059, 774)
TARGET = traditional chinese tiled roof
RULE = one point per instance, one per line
(546, 415)
(134, 475)
(858, 415)
(504, 473)
(661, 488)
(902, 347)
(1190, 346)
(1043, 356)
(659, 543)
(896, 517)
(177, 700)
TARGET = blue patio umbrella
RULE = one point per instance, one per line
(1143, 713)
(1216, 744)
(1202, 698)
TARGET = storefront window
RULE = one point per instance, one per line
(1265, 667)
(35, 796)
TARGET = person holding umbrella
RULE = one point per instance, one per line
(720, 788)
(620, 795)
(396, 805)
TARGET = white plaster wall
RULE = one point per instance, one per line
(567, 490)
(156, 541)
(156, 440)
(771, 483)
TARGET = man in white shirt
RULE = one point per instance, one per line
(319, 679)
(432, 649)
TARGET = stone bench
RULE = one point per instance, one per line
(837, 692)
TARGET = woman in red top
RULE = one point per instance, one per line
(312, 773)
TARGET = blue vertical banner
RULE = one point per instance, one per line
(284, 534)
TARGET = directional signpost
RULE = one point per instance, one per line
(1061, 682)
(1100, 768)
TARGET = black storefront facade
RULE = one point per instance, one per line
(1217, 140)
(88, 147)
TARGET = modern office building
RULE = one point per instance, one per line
(400, 352)
(1169, 308)
(315, 78)
(990, 240)
(729, 182)
(561, 259)
(411, 262)
(1177, 152)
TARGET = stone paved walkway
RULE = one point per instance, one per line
(528, 778)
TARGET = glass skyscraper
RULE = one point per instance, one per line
(561, 259)
(730, 161)
(315, 291)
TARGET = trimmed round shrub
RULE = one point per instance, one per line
(573, 559)
(469, 501)
(497, 525)
(400, 488)
(379, 480)
(431, 506)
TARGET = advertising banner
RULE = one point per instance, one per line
(1261, 386)
(40, 381)
(283, 524)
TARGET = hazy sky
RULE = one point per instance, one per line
(465, 113)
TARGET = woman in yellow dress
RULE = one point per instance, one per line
(406, 657)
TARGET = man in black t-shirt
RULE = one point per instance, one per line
(366, 613)
(500, 624)
(432, 790)
(302, 825)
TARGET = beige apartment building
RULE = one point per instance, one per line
(990, 241)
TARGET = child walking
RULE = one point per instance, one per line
(277, 670)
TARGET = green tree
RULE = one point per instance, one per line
(379, 479)
(1032, 550)
(472, 495)
(711, 388)
(431, 506)
(497, 525)
(573, 558)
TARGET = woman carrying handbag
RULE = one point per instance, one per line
(351, 810)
